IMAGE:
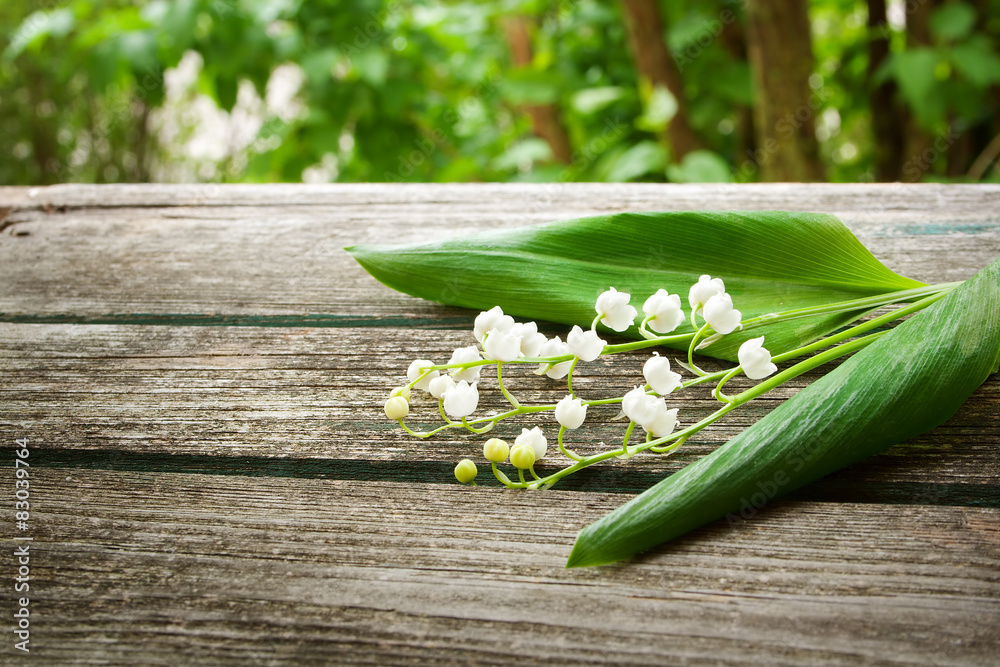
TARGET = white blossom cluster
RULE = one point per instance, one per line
(501, 340)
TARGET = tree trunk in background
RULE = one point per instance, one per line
(734, 40)
(918, 148)
(654, 62)
(780, 50)
(888, 128)
(545, 121)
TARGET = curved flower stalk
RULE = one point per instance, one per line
(655, 405)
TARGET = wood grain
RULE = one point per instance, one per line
(161, 568)
(127, 253)
(200, 369)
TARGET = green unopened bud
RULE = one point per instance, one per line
(496, 450)
(522, 457)
(403, 391)
(466, 471)
(396, 408)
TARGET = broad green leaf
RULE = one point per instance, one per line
(907, 382)
(644, 158)
(770, 261)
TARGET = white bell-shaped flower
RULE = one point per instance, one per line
(665, 421)
(461, 400)
(531, 340)
(614, 310)
(639, 406)
(416, 369)
(703, 290)
(534, 439)
(664, 311)
(755, 359)
(555, 347)
(657, 372)
(502, 346)
(464, 355)
(439, 385)
(570, 412)
(491, 319)
(720, 315)
(586, 345)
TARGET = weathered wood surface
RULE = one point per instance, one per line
(199, 370)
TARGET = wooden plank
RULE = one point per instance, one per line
(169, 568)
(314, 396)
(248, 255)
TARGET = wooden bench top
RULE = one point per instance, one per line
(200, 371)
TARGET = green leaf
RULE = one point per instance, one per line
(592, 100)
(770, 261)
(530, 86)
(700, 167)
(907, 382)
(953, 21)
(660, 108)
(915, 72)
(976, 61)
(643, 158)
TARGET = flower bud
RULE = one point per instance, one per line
(570, 412)
(496, 450)
(522, 457)
(403, 391)
(466, 471)
(396, 408)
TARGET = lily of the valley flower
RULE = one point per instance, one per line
(534, 439)
(439, 385)
(614, 310)
(720, 314)
(464, 355)
(664, 311)
(586, 345)
(502, 346)
(555, 347)
(703, 290)
(755, 359)
(461, 400)
(491, 319)
(665, 421)
(416, 369)
(649, 412)
(531, 340)
(570, 412)
(496, 450)
(657, 372)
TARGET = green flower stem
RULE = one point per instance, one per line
(568, 453)
(694, 341)
(510, 399)
(503, 479)
(865, 303)
(533, 473)
(445, 417)
(520, 476)
(415, 434)
(479, 431)
(739, 399)
(569, 377)
(717, 392)
(628, 436)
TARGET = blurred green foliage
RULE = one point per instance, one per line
(426, 90)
